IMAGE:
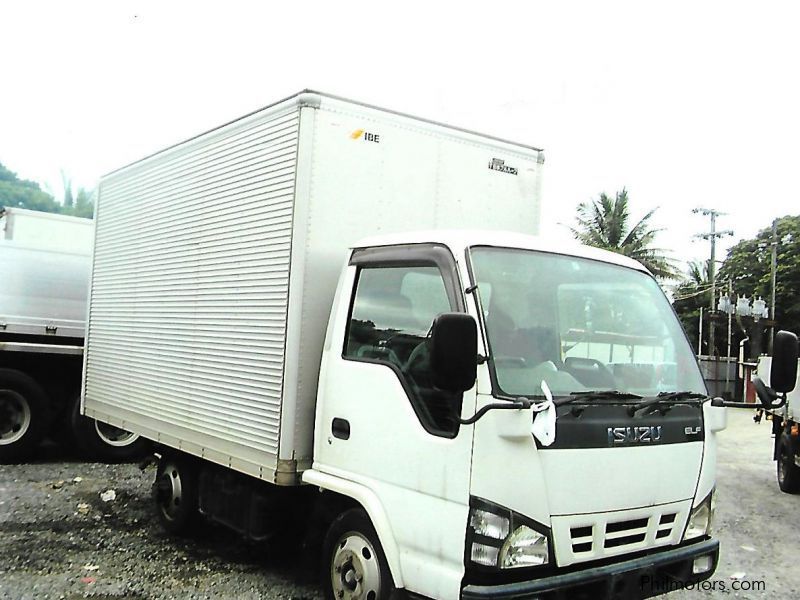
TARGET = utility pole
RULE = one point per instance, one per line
(729, 308)
(774, 268)
(712, 235)
(700, 335)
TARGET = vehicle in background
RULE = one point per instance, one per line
(455, 412)
(778, 390)
(44, 270)
(47, 231)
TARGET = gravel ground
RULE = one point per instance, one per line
(59, 539)
(758, 525)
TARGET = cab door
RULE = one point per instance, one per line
(381, 423)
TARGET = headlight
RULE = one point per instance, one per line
(500, 538)
(525, 547)
(488, 524)
(701, 519)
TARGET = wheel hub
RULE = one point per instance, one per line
(169, 491)
(355, 573)
(114, 436)
(15, 416)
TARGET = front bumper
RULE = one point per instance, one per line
(640, 577)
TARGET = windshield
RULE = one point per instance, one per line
(579, 325)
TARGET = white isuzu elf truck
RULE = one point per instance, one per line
(331, 332)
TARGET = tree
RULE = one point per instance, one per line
(748, 266)
(604, 223)
(21, 193)
(84, 204)
(692, 295)
(69, 201)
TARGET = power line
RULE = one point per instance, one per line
(698, 289)
(698, 293)
(712, 236)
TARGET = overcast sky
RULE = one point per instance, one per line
(685, 104)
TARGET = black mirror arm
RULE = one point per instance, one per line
(766, 395)
(754, 405)
(514, 404)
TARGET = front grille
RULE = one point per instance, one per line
(582, 539)
(625, 533)
(618, 534)
(665, 525)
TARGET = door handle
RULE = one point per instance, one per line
(340, 428)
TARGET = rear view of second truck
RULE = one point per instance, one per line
(44, 270)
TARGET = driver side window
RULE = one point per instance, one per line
(392, 313)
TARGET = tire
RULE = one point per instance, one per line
(354, 565)
(175, 492)
(24, 415)
(788, 471)
(100, 441)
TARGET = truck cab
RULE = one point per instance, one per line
(514, 418)
(779, 393)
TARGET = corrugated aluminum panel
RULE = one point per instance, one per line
(189, 292)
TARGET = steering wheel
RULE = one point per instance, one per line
(586, 364)
(579, 366)
(419, 358)
(379, 352)
(517, 362)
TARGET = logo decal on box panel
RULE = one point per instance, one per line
(498, 164)
(366, 136)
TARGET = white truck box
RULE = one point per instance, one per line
(47, 230)
(216, 261)
(43, 291)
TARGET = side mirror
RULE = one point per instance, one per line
(783, 373)
(454, 352)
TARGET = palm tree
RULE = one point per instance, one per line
(604, 223)
(689, 296)
(699, 273)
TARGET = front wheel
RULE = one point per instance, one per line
(788, 471)
(175, 491)
(354, 565)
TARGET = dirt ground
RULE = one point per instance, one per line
(758, 525)
(60, 539)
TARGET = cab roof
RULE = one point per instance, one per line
(459, 240)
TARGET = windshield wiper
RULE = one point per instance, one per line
(662, 399)
(684, 395)
(596, 395)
